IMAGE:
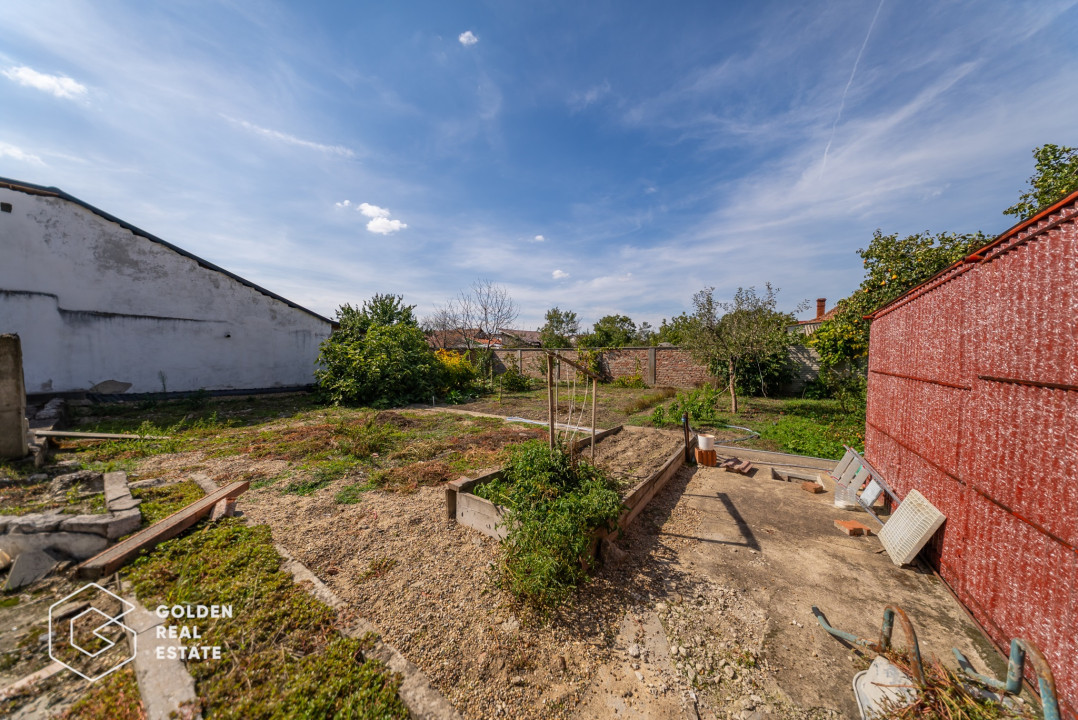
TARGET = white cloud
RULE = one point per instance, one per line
(373, 211)
(385, 226)
(344, 204)
(59, 85)
(19, 154)
(468, 38)
(580, 100)
(340, 150)
(539, 238)
(559, 274)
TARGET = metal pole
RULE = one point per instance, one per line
(685, 424)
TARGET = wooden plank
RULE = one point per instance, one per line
(578, 366)
(96, 436)
(115, 557)
(580, 444)
(645, 491)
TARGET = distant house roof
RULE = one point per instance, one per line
(807, 327)
(31, 189)
(525, 337)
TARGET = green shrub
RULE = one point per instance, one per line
(699, 404)
(553, 506)
(513, 380)
(630, 381)
(389, 365)
(458, 373)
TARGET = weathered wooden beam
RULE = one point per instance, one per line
(95, 436)
(578, 366)
(115, 557)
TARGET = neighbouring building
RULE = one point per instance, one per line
(973, 401)
(101, 305)
(805, 359)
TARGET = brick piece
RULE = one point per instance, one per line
(852, 528)
(812, 487)
(705, 457)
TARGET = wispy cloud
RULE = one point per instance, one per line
(559, 274)
(60, 86)
(468, 38)
(538, 238)
(17, 153)
(580, 100)
(846, 90)
(339, 150)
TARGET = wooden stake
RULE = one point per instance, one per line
(550, 396)
(594, 392)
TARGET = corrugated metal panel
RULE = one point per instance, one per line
(973, 401)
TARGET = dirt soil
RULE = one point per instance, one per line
(630, 457)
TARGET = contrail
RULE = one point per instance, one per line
(849, 82)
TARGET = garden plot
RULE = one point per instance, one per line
(638, 460)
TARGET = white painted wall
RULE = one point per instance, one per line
(92, 301)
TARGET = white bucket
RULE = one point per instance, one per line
(705, 442)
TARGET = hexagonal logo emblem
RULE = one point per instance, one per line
(86, 634)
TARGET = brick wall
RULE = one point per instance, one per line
(658, 366)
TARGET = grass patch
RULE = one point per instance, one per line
(648, 401)
(116, 697)
(352, 494)
(160, 502)
(553, 505)
(281, 656)
(9, 601)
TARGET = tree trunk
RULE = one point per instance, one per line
(733, 389)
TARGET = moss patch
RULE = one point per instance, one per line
(282, 657)
(115, 697)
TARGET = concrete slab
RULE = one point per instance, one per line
(96, 524)
(127, 521)
(779, 547)
(116, 487)
(164, 684)
(36, 523)
(78, 546)
(29, 567)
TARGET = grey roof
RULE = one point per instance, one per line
(32, 189)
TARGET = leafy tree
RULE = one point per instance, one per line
(644, 333)
(673, 332)
(1055, 176)
(379, 310)
(390, 365)
(613, 331)
(892, 266)
(559, 329)
(727, 335)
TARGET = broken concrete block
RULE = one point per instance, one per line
(225, 508)
(116, 487)
(79, 546)
(151, 482)
(96, 524)
(29, 567)
(124, 503)
(35, 523)
(127, 521)
(87, 481)
(852, 528)
(812, 487)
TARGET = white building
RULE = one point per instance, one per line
(95, 299)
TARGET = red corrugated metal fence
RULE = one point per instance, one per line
(973, 400)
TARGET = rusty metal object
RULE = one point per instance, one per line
(884, 644)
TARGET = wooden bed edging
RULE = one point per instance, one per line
(465, 508)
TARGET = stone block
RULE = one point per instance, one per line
(124, 522)
(29, 567)
(96, 524)
(35, 523)
(115, 487)
(78, 546)
(87, 480)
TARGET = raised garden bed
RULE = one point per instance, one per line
(466, 508)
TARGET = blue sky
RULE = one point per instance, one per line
(608, 157)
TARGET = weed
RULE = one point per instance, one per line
(116, 697)
(9, 601)
(352, 494)
(378, 567)
(649, 400)
(305, 485)
(699, 404)
(160, 502)
(945, 696)
(554, 503)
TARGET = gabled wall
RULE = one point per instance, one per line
(94, 301)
